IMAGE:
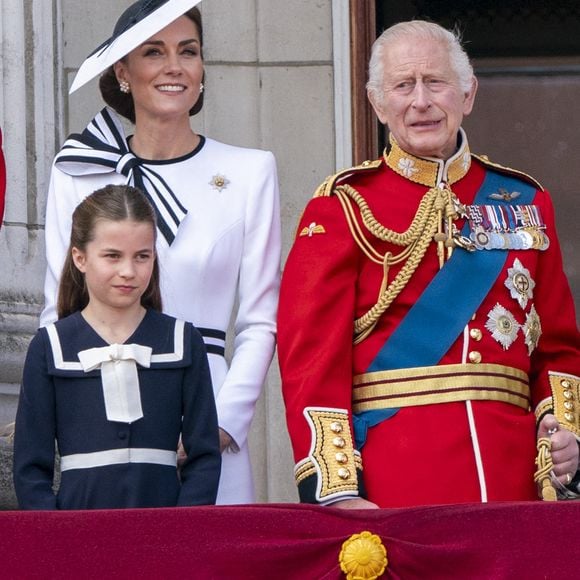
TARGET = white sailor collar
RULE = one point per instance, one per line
(169, 339)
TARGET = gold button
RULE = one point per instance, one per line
(343, 473)
(341, 458)
(565, 383)
(476, 334)
(568, 405)
(366, 163)
(568, 395)
(569, 417)
(475, 357)
(339, 442)
(336, 427)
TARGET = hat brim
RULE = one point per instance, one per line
(121, 46)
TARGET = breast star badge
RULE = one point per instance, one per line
(502, 325)
(532, 330)
(219, 182)
(520, 284)
(312, 229)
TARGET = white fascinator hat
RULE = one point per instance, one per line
(139, 22)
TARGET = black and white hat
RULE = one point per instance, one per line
(139, 22)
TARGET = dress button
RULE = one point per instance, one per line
(476, 334)
(474, 357)
(343, 473)
(122, 434)
(336, 427)
(339, 442)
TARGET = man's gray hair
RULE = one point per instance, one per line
(422, 29)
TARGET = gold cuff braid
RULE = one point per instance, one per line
(332, 453)
(566, 400)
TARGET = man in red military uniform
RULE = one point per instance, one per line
(427, 333)
(2, 180)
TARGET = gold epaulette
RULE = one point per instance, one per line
(326, 188)
(508, 171)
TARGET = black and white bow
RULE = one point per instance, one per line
(102, 148)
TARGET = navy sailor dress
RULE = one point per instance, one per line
(117, 463)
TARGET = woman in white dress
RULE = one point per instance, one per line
(217, 208)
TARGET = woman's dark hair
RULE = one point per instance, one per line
(123, 103)
(111, 203)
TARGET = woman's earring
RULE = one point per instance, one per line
(201, 87)
(124, 87)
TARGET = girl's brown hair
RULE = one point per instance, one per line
(123, 103)
(111, 203)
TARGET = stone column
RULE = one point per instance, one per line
(28, 117)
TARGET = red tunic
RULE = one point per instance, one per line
(425, 454)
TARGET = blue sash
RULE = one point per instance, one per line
(440, 314)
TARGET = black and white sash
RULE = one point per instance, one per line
(102, 148)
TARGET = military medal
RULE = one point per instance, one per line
(481, 238)
(532, 330)
(502, 325)
(520, 284)
(527, 240)
(506, 227)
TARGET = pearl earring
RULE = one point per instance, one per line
(124, 87)
(201, 87)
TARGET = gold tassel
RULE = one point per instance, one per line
(545, 464)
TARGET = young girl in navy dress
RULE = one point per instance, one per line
(114, 381)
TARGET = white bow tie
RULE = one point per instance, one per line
(119, 377)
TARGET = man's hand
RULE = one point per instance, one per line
(564, 448)
(357, 503)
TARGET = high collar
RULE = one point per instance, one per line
(429, 171)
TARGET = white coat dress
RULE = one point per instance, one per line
(221, 272)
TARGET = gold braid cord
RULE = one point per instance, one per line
(544, 464)
(426, 225)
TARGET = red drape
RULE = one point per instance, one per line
(287, 541)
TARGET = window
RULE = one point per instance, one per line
(502, 37)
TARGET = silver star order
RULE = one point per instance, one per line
(532, 330)
(219, 182)
(520, 284)
(502, 325)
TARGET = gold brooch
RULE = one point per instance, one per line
(363, 557)
(219, 182)
(312, 229)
